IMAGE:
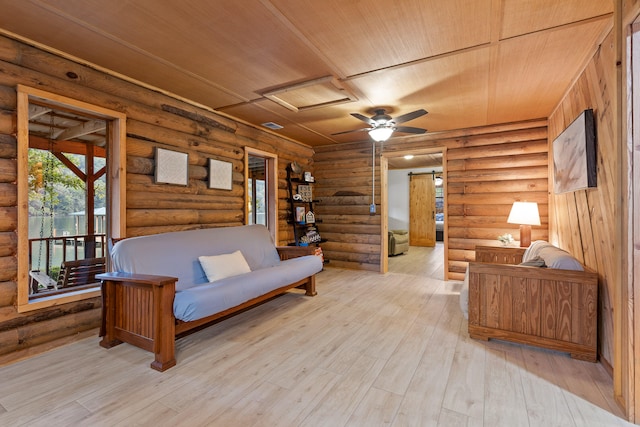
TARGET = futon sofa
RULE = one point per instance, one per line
(547, 299)
(164, 285)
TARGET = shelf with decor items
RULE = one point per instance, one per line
(301, 207)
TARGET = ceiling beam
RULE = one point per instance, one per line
(70, 147)
(82, 129)
(36, 111)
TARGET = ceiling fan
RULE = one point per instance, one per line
(383, 125)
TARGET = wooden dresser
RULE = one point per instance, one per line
(545, 307)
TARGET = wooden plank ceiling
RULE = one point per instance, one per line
(306, 65)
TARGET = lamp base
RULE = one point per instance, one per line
(525, 235)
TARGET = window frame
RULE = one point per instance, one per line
(116, 187)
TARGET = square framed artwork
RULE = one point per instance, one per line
(172, 167)
(220, 174)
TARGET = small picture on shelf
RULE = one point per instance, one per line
(305, 192)
(310, 217)
(300, 214)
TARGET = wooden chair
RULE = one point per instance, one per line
(81, 272)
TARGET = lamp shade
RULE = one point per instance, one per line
(524, 213)
(381, 134)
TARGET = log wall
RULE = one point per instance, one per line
(583, 222)
(153, 120)
(343, 188)
(486, 169)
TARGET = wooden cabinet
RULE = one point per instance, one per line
(546, 307)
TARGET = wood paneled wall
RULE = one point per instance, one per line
(486, 170)
(153, 120)
(583, 222)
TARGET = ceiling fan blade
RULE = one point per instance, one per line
(349, 131)
(365, 119)
(410, 116)
(409, 129)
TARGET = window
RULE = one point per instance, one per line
(261, 189)
(257, 191)
(70, 158)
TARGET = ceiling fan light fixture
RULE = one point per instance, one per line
(380, 134)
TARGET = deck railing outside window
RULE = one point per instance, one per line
(46, 255)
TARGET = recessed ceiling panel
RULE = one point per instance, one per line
(316, 93)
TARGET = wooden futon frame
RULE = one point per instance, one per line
(138, 309)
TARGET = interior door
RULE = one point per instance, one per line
(422, 210)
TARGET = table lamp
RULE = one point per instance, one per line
(526, 214)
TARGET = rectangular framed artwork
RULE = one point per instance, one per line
(220, 174)
(574, 155)
(172, 167)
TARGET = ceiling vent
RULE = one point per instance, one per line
(272, 125)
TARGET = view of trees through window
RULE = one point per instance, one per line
(57, 204)
(66, 191)
(257, 202)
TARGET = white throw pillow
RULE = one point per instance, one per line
(217, 267)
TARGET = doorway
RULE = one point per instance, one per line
(396, 204)
(261, 182)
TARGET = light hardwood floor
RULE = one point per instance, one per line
(368, 350)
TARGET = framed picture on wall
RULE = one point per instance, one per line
(220, 174)
(172, 167)
(574, 155)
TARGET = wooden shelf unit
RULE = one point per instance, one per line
(301, 228)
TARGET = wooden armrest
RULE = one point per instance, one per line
(148, 279)
(541, 273)
(287, 252)
(138, 309)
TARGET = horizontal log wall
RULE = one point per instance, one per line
(343, 187)
(153, 120)
(583, 222)
(487, 169)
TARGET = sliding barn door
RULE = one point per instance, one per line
(422, 210)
